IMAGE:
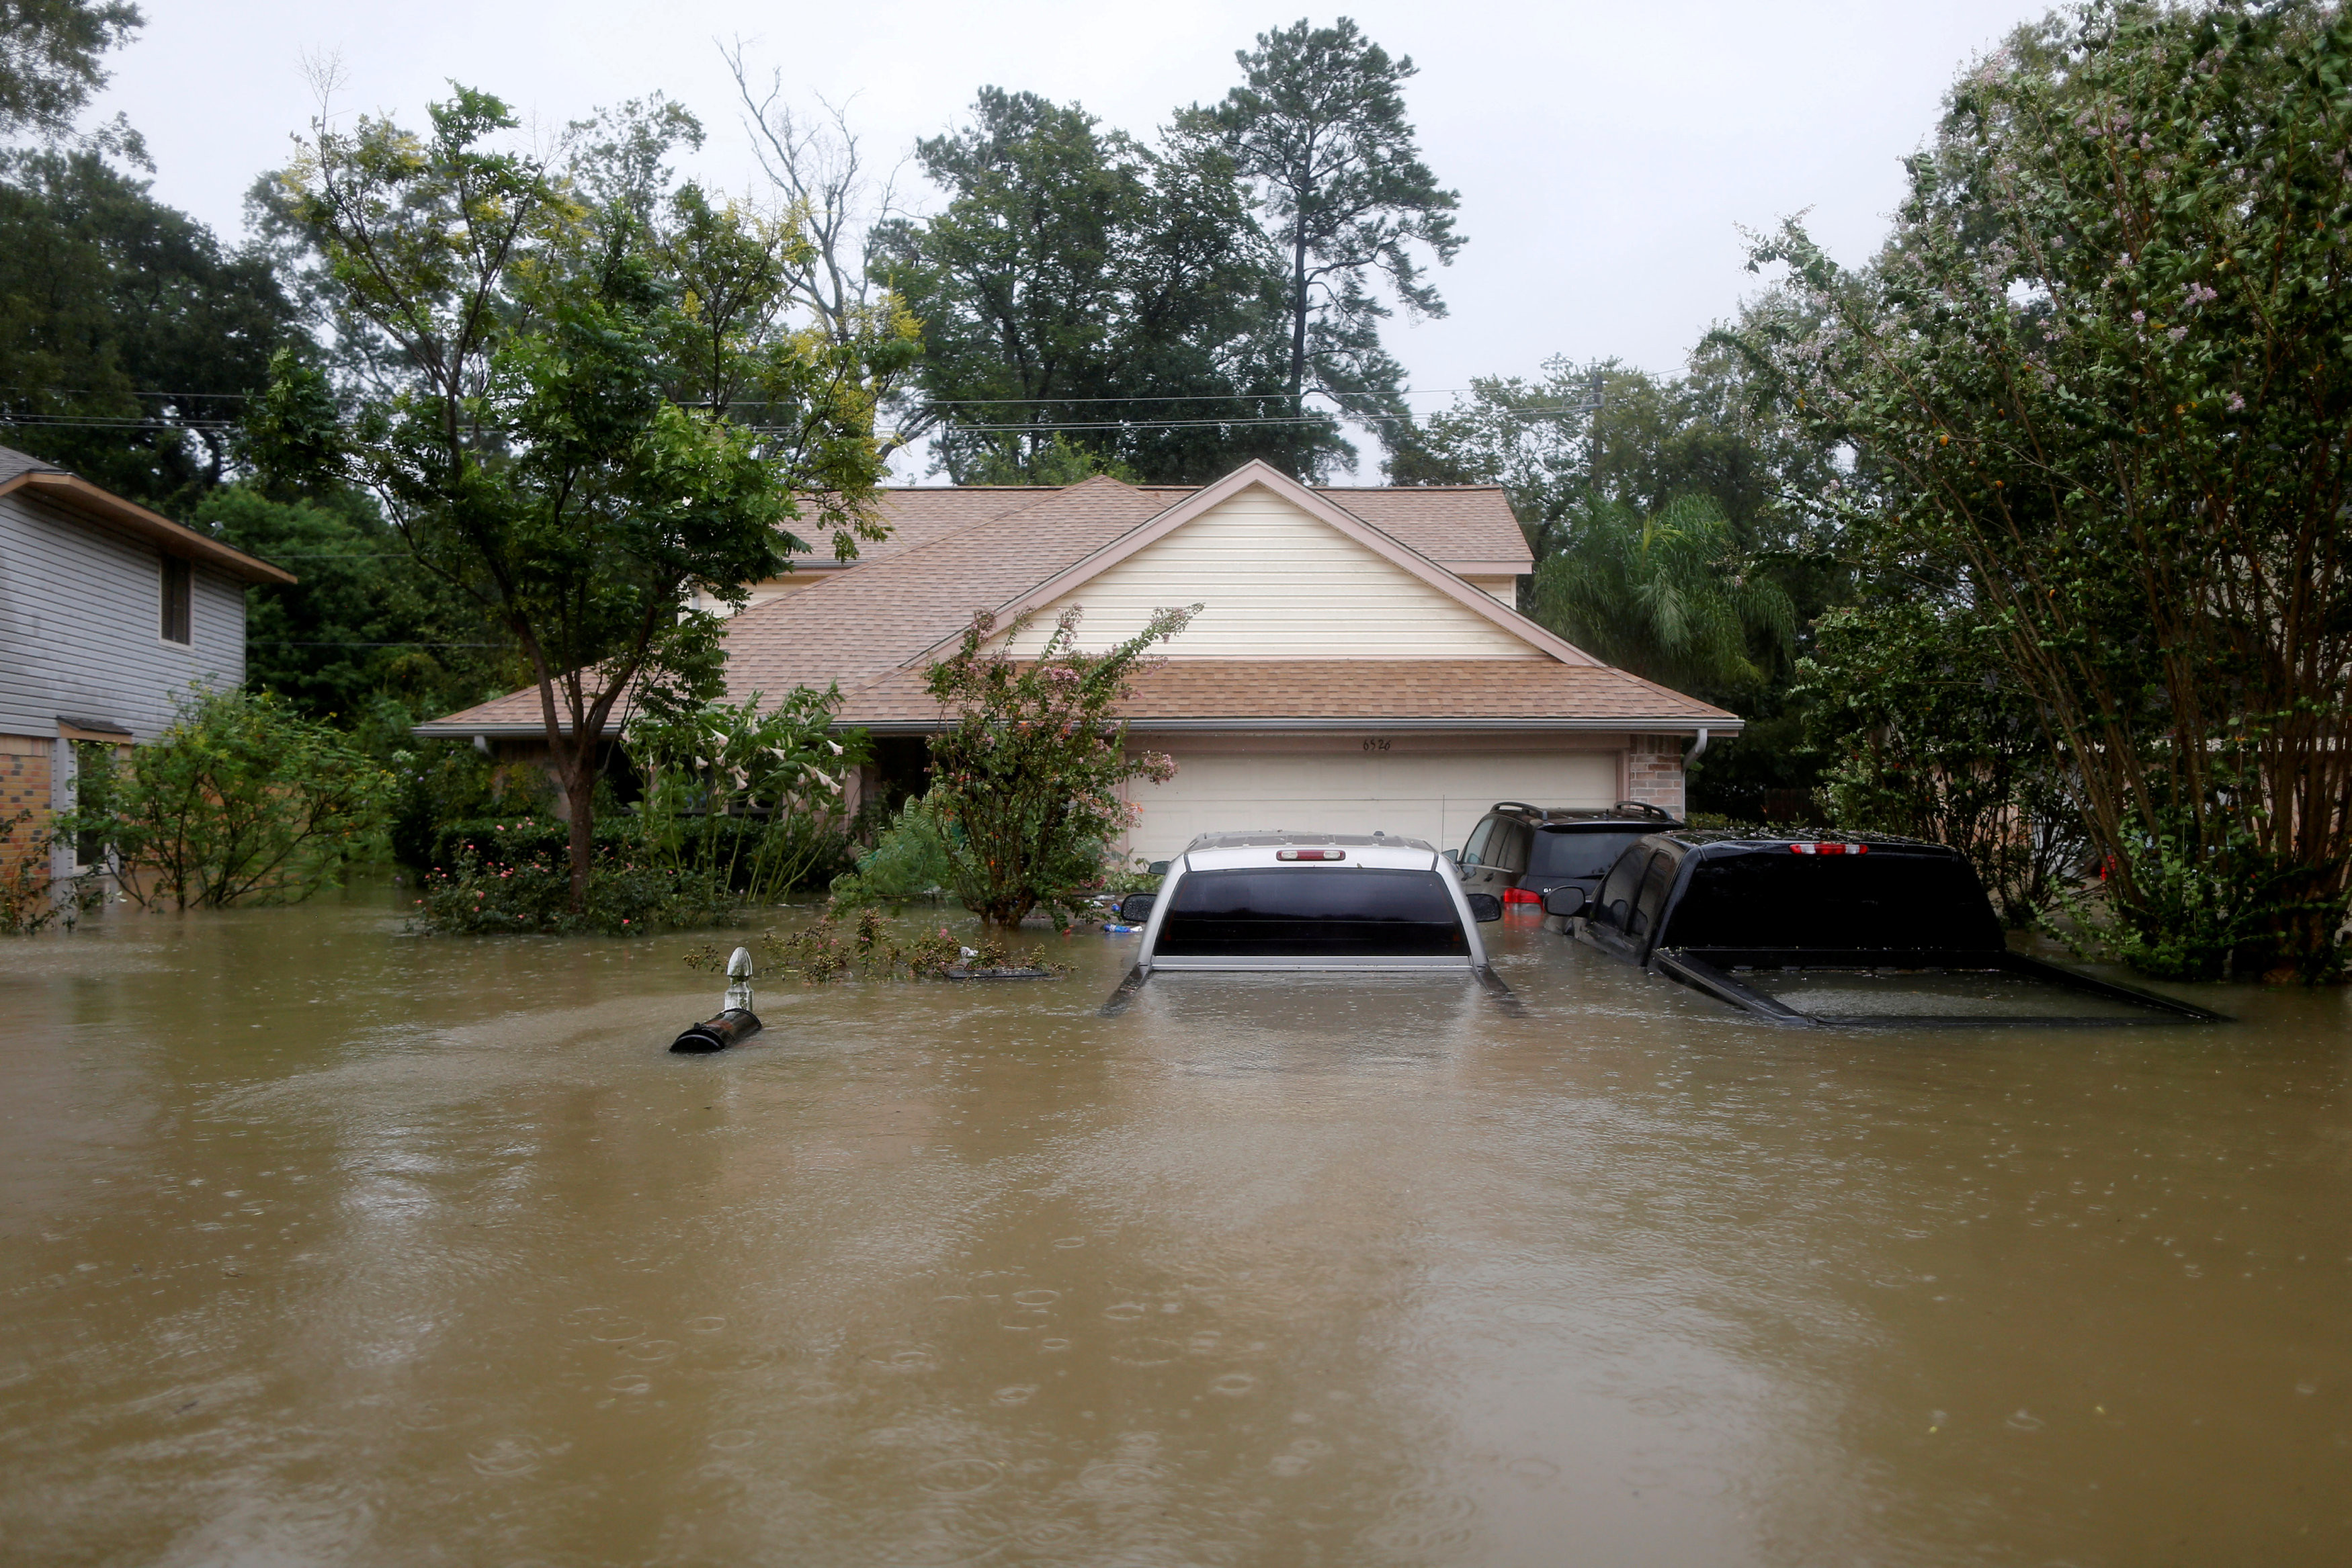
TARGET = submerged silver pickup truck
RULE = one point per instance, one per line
(1275, 901)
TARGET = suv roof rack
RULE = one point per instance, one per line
(1640, 809)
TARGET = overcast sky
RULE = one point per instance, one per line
(1607, 154)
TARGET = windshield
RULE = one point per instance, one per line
(1586, 852)
(1326, 912)
(1771, 898)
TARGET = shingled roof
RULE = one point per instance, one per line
(69, 493)
(953, 552)
(1259, 694)
(1466, 529)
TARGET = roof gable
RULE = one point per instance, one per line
(1504, 631)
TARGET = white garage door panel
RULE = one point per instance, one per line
(1437, 798)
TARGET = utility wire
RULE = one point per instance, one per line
(1229, 423)
(66, 422)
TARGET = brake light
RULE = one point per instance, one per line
(1829, 848)
(1310, 855)
(1520, 895)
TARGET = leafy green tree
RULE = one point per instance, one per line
(1927, 734)
(128, 336)
(2097, 386)
(583, 403)
(49, 52)
(1668, 596)
(1026, 782)
(1079, 289)
(1709, 434)
(365, 636)
(1319, 126)
(240, 800)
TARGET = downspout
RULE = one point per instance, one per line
(1698, 751)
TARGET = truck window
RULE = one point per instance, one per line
(1334, 913)
(1509, 849)
(1885, 899)
(1616, 900)
(1653, 897)
(1474, 852)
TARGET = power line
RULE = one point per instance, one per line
(64, 422)
(933, 402)
(1043, 428)
(79, 422)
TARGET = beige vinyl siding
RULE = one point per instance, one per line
(767, 590)
(1422, 787)
(1503, 590)
(1277, 584)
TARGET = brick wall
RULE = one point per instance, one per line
(25, 783)
(1653, 771)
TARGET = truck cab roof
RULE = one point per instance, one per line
(1213, 852)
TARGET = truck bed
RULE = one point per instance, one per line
(1911, 989)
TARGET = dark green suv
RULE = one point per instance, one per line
(1519, 851)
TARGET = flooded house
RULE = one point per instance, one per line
(109, 614)
(1358, 663)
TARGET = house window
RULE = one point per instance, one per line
(177, 587)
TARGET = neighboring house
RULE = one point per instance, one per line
(1358, 664)
(107, 614)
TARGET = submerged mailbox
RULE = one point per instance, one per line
(735, 1023)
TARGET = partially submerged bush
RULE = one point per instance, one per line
(241, 800)
(1028, 778)
(827, 949)
(755, 798)
(478, 897)
(909, 861)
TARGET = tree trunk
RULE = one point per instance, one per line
(1298, 318)
(580, 802)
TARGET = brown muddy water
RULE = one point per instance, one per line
(322, 1243)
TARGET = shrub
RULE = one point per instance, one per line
(478, 897)
(756, 799)
(823, 950)
(1027, 779)
(240, 800)
(909, 861)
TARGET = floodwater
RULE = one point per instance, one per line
(322, 1243)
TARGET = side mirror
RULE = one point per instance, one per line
(1135, 908)
(1566, 899)
(1484, 906)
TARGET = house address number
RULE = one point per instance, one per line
(1376, 744)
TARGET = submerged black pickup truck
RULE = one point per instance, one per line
(1847, 928)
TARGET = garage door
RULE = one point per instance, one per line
(1433, 797)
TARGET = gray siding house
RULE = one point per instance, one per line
(107, 614)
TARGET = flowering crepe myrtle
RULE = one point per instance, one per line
(1030, 776)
